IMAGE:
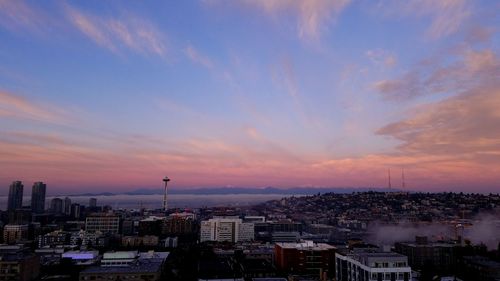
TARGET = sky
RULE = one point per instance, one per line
(114, 95)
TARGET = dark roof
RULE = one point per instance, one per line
(142, 266)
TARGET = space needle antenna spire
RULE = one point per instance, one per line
(165, 206)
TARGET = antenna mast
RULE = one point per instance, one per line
(389, 176)
(403, 184)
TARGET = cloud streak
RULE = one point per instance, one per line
(115, 34)
(17, 16)
(450, 127)
(381, 57)
(15, 106)
(446, 16)
(312, 17)
(468, 69)
(195, 56)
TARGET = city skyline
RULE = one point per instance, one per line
(212, 93)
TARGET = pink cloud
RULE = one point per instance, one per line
(468, 69)
(194, 55)
(128, 32)
(215, 162)
(381, 57)
(312, 16)
(446, 16)
(18, 16)
(15, 106)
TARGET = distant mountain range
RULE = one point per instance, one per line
(242, 190)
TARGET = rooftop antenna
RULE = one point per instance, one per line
(389, 176)
(403, 184)
(166, 180)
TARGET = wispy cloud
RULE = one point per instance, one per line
(194, 55)
(18, 16)
(313, 17)
(15, 106)
(446, 16)
(381, 57)
(117, 33)
(468, 69)
(450, 127)
(456, 138)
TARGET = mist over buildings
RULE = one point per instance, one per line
(483, 228)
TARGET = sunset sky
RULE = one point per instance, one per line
(114, 95)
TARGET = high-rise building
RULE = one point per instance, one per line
(230, 229)
(92, 202)
(67, 206)
(38, 197)
(56, 206)
(75, 210)
(15, 196)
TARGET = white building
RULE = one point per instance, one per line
(230, 229)
(372, 266)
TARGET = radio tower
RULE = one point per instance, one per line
(389, 176)
(403, 178)
(166, 180)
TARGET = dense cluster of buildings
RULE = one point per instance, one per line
(321, 237)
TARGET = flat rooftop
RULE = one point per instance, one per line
(307, 245)
(142, 266)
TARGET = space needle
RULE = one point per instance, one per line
(166, 180)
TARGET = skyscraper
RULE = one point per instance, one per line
(15, 196)
(92, 202)
(75, 210)
(56, 205)
(38, 197)
(67, 206)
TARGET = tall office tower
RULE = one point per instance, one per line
(15, 196)
(75, 211)
(92, 202)
(38, 197)
(67, 206)
(56, 205)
